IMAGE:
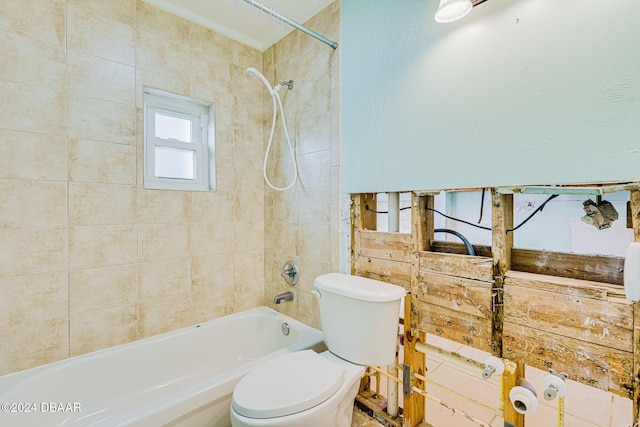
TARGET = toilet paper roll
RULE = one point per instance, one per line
(524, 398)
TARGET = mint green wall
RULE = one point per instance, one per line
(517, 92)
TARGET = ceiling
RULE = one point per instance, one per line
(241, 21)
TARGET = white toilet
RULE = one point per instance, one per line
(360, 326)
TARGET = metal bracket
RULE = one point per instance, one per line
(497, 296)
(407, 380)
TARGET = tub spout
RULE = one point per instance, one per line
(285, 297)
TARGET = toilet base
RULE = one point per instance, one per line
(337, 411)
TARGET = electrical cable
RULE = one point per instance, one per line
(539, 209)
(553, 196)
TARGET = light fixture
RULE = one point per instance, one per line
(452, 10)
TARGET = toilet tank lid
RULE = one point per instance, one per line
(358, 287)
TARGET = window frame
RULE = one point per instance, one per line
(200, 113)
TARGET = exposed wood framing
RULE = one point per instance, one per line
(413, 410)
(384, 256)
(539, 308)
(634, 207)
(596, 268)
(453, 293)
(582, 328)
(422, 233)
(502, 245)
(512, 372)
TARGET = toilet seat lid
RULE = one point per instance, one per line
(286, 385)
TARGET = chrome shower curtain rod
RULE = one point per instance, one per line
(294, 24)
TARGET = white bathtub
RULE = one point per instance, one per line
(182, 378)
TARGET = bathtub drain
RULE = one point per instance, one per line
(285, 328)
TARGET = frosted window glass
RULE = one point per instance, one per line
(169, 127)
(175, 163)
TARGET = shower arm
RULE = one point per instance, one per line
(294, 24)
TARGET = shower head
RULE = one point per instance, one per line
(252, 72)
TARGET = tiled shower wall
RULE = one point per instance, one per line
(302, 224)
(88, 258)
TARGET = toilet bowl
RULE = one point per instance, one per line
(360, 325)
(298, 389)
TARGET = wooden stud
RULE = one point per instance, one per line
(360, 219)
(512, 372)
(635, 220)
(413, 405)
(423, 221)
(636, 362)
(501, 246)
(502, 243)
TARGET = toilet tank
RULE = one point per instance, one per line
(359, 317)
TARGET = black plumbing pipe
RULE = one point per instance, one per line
(466, 242)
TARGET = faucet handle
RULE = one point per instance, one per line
(290, 272)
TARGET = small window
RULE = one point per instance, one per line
(178, 146)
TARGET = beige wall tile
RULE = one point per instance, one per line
(213, 273)
(98, 329)
(163, 241)
(163, 206)
(102, 204)
(38, 19)
(210, 206)
(163, 315)
(311, 268)
(163, 279)
(315, 242)
(161, 23)
(282, 237)
(149, 79)
(113, 10)
(32, 109)
(32, 298)
(96, 33)
(211, 304)
(212, 238)
(33, 203)
(98, 288)
(30, 61)
(315, 169)
(249, 205)
(103, 162)
(32, 250)
(19, 352)
(26, 155)
(164, 56)
(249, 280)
(100, 78)
(314, 133)
(309, 309)
(316, 202)
(249, 236)
(101, 246)
(99, 120)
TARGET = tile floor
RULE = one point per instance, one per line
(584, 406)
